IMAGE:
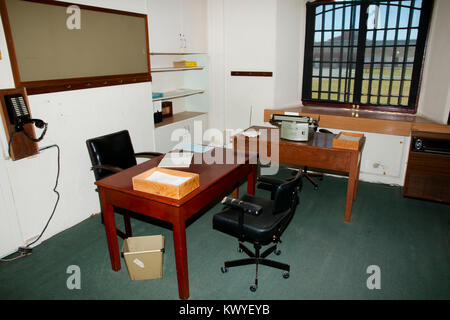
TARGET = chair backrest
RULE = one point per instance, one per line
(286, 194)
(113, 149)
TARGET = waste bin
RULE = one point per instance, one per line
(144, 257)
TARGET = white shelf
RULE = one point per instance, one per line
(168, 69)
(180, 93)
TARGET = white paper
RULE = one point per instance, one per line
(139, 263)
(176, 160)
(165, 178)
(197, 148)
(157, 106)
(348, 138)
(287, 113)
(251, 133)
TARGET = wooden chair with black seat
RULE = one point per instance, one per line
(260, 221)
(113, 153)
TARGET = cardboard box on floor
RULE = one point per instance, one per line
(144, 257)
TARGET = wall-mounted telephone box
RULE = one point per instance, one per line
(16, 119)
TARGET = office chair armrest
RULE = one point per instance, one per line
(106, 167)
(148, 154)
(275, 182)
(242, 205)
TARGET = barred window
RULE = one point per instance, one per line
(365, 52)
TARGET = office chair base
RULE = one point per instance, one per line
(257, 259)
(310, 175)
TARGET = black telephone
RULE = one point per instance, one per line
(17, 111)
(19, 115)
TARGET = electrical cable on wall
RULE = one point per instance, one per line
(26, 250)
(54, 190)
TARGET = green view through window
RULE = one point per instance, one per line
(366, 52)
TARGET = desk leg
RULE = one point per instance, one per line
(111, 232)
(357, 175)
(179, 242)
(351, 186)
(251, 180)
(236, 192)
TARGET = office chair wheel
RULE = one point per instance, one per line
(223, 269)
(253, 287)
(286, 274)
(277, 252)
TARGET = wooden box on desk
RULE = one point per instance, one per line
(340, 143)
(141, 183)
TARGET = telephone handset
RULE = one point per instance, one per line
(19, 115)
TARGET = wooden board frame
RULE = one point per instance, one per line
(45, 86)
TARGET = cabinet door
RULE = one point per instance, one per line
(165, 25)
(194, 26)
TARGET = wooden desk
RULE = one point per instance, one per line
(215, 179)
(316, 153)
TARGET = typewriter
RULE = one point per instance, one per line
(295, 128)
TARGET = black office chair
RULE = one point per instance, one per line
(112, 153)
(260, 221)
(311, 175)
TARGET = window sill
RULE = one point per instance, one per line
(365, 121)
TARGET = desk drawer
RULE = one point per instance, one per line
(323, 158)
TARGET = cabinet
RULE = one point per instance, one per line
(177, 26)
(428, 171)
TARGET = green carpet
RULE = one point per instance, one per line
(407, 239)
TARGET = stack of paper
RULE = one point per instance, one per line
(176, 160)
(197, 148)
(165, 178)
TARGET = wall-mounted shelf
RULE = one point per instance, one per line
(168, 69)
(178, 117)
(180, 93)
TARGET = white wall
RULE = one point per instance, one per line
(217, 73)
(434, 101)
(290, 19)
(244, 31)
(73, 117)
(249, 45)
(384, 158)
